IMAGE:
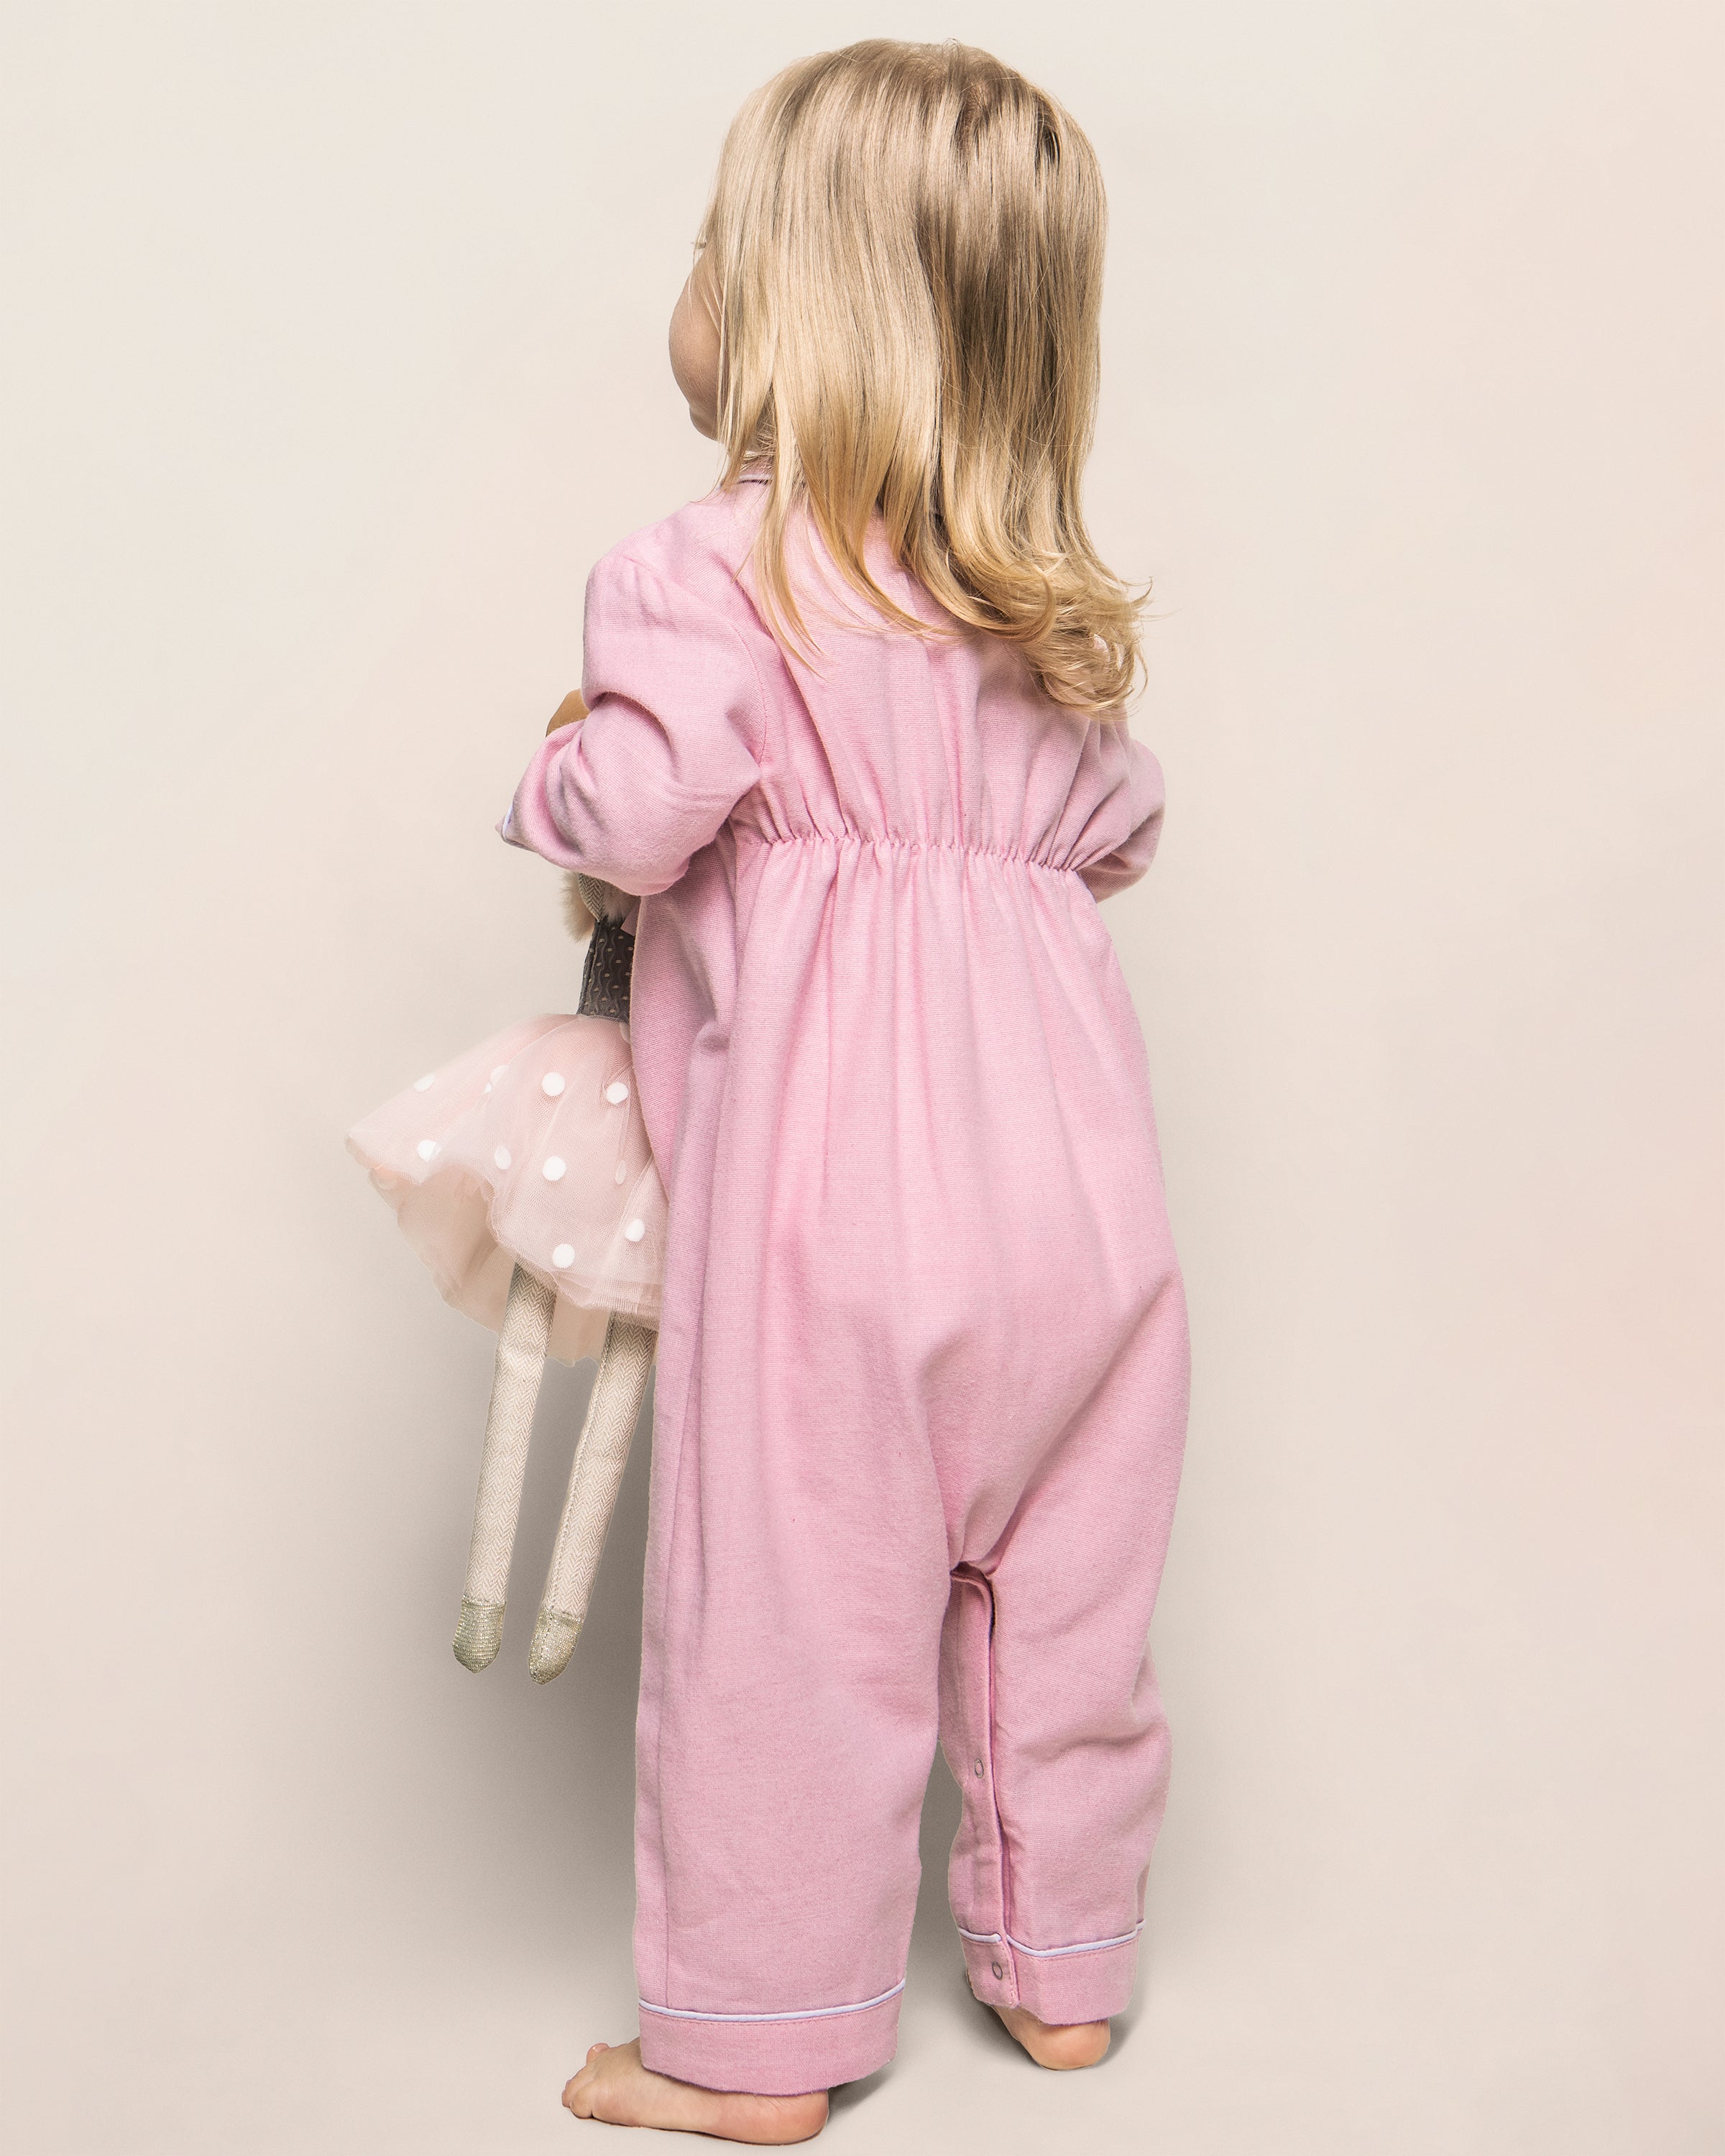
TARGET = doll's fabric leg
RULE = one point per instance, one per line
(594, 1480)
(503, 1466)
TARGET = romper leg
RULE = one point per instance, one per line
(1050, 1716)
(789, 1720)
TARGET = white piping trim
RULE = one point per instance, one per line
(1049, 1954)
(796, 2014)
(1086, 1946)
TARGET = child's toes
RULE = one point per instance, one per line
(579, 2086)
(579, 2083)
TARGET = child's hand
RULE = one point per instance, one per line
(575, 908)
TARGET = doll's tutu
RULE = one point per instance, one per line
(530, 1151)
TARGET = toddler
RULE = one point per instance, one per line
(855, 737)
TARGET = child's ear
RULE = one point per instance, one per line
(577, 917)
(567, 713)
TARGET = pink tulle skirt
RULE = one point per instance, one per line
(529, 1150)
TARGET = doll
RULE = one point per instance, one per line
(522, 1174)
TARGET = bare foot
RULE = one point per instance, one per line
(615, 2087)
(1061, 2046)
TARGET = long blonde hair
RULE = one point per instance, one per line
(907, 243)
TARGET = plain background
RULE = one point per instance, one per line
(333, 358)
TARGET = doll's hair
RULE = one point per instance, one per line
(906, 242)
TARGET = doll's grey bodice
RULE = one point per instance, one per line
(610, 955)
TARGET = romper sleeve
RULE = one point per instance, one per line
(668, 746)
(1138, 804)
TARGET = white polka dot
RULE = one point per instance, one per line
(499, 1072)
(634, 1231)
(488, 1089)
(623, 1030)
(554, 1170)
(428, 1148)
(563, 1255)
(425, 1084)
(551, 1083)
(617, 1092)
(501, 1156)
(623, 1171)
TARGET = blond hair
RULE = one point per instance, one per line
(906, 244)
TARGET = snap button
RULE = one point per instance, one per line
(976, 1767)
(997, 1969)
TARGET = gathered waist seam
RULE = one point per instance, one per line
(885, 844)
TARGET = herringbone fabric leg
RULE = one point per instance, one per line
(594, 1480)
(503, 1466)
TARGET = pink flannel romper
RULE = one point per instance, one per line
(922, 1374)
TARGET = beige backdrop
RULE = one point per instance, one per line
(333, 341)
